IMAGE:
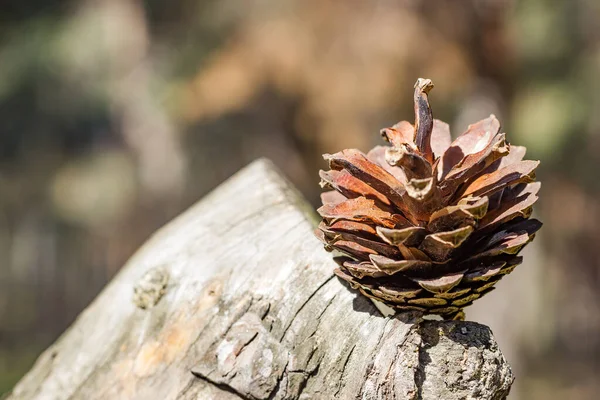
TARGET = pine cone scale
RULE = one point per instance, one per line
(359, 166)
(440, 138)
(350, 187)
(519, 172)
(474, 139)
(517, 203)
(410, 236)
(392, 266)
(359, 209)
(473, 164)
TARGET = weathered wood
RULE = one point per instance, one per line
(236, 299)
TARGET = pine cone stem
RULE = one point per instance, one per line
(423, 118)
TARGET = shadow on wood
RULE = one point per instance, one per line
(235, 299)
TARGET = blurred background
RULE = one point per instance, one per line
(116, 115)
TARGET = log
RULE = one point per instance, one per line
(236, 299)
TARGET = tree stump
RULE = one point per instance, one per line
(236, 299)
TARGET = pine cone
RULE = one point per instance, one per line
(426, 224)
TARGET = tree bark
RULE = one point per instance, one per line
(235, 299)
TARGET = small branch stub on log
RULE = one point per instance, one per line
(266, 321)
(150, 288)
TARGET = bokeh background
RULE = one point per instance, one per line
(116, 115)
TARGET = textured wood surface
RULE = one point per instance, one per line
(235, 299)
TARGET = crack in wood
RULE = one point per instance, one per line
(312, 295)
(387, 383)
(226, 388)
(419, 371)
(343, 371)
(307, 376)
(279, 380)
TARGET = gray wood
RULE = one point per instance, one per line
(235, 299)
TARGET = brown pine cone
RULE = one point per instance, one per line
(428, 224)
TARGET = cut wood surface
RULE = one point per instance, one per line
(236, 299)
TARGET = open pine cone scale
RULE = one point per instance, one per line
(427, 223)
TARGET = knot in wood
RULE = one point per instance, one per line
(150, 288)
